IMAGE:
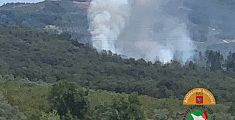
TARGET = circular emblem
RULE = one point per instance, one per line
(199, 96)
(198, 101)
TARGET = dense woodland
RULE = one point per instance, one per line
(25, 100)
(33, 63)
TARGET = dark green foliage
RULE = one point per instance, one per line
(232, 109)
(8, 112)
(214, 59)
(128, 110)
(135, 111)
(120, 109)
(231, 62)
(68, 100)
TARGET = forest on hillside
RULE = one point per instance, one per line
(40, 56)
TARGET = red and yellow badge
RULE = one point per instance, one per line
(199, 96)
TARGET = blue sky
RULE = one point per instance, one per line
(24, 1)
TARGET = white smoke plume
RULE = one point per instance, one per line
(149, 29)
(107, 19)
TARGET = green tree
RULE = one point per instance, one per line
(232, 108)
(121, 109)
(68, 98)
(161, 114)
(8, 112)
(50, 116)
(135, 110)
(214, 60)
(230, 62)
(102, 112)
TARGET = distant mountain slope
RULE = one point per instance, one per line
(211, 17)
(209, 22)
(52, 15)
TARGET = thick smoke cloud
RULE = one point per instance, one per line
(149, 29)
(107, 19)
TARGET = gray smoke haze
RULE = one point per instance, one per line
(149, 29)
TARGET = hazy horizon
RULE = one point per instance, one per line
(22, 1)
